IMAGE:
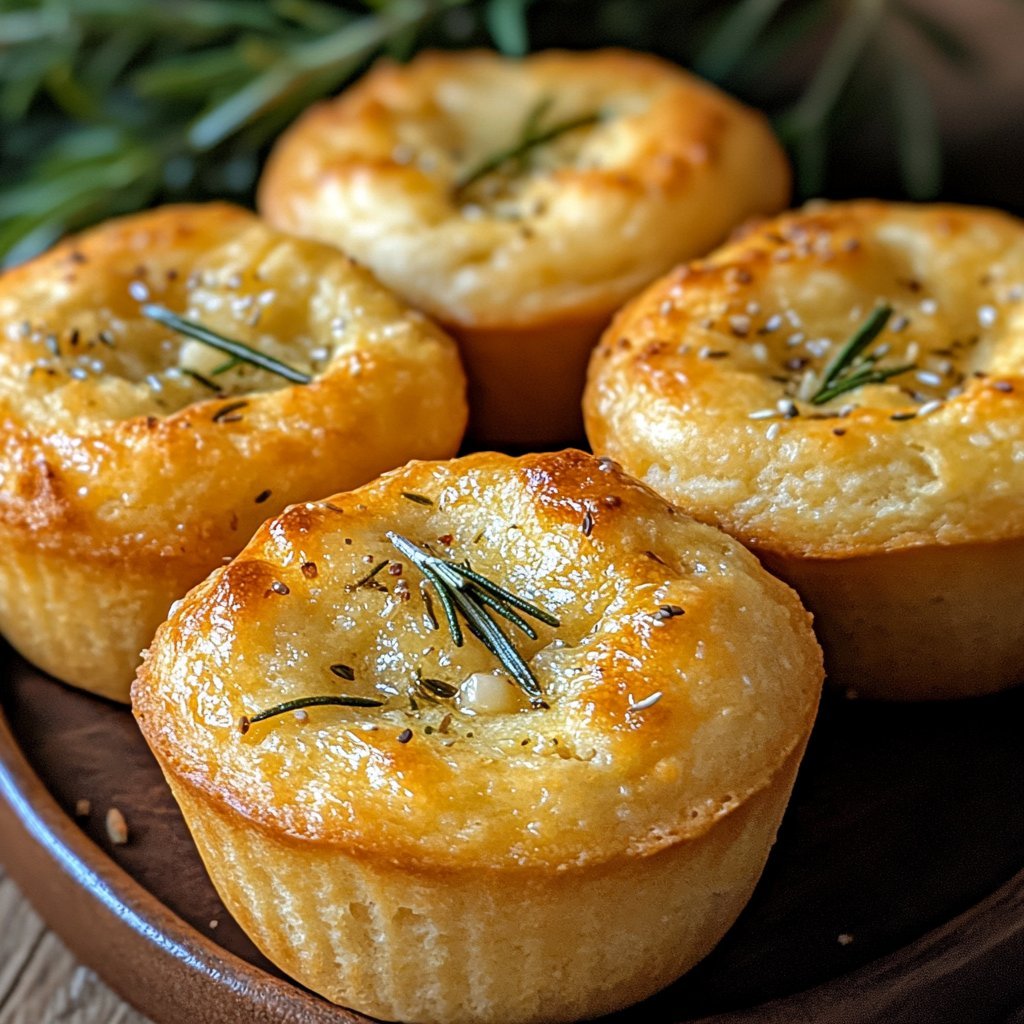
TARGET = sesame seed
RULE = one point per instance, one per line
(649, 701)
(404, 736)
(280, 588)
(740, 325)
(262, 496)
(301, 715)
(987, 316)
(773, 431)
(138, 291)
(666, 307)
(763, 414)
(753, 308)
(844, 939)
(759, 350)
(927, 377)
(929, 307)
(899, 417)
(1002, 385)
(929, 407)
(606, 465)
(773, 323)
(787, 407)
(78, 373)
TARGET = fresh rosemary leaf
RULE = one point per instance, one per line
(299, 704)
(850, 369)
(506, 21)
(460, 589)
(237, 349)
(861, 338)
(530, 138)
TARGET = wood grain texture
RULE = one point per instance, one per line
(906, 833)
(40, 981)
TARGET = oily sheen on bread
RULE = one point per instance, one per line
(895, 506)
(525, 263)
(130, 465)
(607, 832)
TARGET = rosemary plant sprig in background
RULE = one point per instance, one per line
(238, 350)
(108, 106)
(850, 369)
(460, 589)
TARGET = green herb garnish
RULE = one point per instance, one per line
(368, 578)
(460, 589)
(850, 368)
(531, 136)
(341, 701)
(237, 349)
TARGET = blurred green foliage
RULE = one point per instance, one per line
(110, 105)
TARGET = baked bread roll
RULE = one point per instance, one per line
(130, 465)
(892, 496)
(472, 850)
(523, 260)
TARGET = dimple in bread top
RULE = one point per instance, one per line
(117, 431)
(678, 681)
(711, 384)
(658, 168)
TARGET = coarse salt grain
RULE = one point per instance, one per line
(987, 315)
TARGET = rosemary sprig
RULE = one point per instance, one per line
(850, 369)
(341, 701)
(108, 106)
(531, 136)
(460, 589)
(236, 349)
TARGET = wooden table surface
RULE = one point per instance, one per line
(40, 981)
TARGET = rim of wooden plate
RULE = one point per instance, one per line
(171, 972)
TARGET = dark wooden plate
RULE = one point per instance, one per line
(905, 837)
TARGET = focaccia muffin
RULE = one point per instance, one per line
(841, 389)
(472, 849)
(520, 202)
(134, 458)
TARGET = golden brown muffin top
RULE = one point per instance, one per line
(680, 676)
(711, 385)
(113, 426)
(663, 167)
